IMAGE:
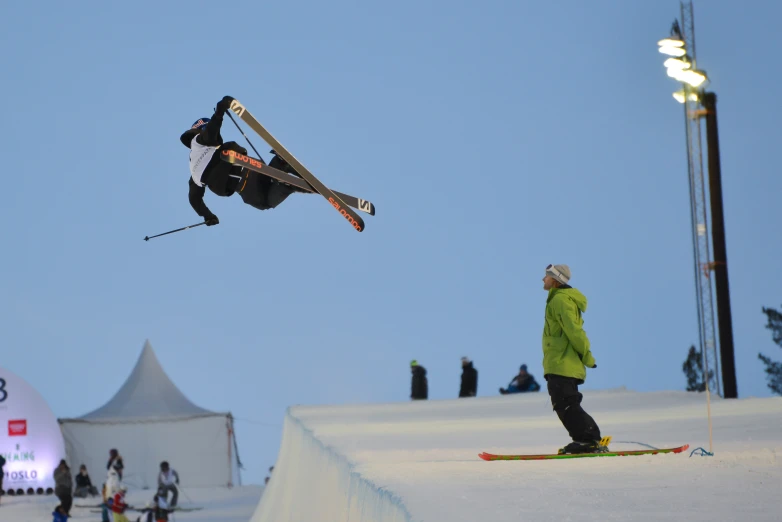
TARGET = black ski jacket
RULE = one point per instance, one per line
(117, 463)
(469, 386)
(83, 481)
(420, 387)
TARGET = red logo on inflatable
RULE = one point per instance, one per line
(17, 428)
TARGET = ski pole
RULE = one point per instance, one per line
(172, 231)
(182, 491)
(243, 134)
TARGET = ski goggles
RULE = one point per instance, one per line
(556, 274)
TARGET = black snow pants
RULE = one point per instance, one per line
(566, 400)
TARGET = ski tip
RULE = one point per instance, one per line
(484, 456)
(681, 448)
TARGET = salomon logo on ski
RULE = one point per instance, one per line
(345, 214)
(237, 108)
(252, 161)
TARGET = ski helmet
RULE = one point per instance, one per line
(200, 123)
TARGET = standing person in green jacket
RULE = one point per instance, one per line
(566, 355)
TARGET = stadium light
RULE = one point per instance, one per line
(679, 66)
(672, 47)
(681, 97)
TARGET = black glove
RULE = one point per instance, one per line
(212, 220)
(224, 104)
(595, 366)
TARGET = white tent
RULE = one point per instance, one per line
(148, 421)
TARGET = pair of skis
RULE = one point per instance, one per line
(604, 453)
(143, 510)
(342, 203)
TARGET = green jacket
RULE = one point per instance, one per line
(565, 343)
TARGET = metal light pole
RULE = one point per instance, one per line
(720, 265)
(698, 105)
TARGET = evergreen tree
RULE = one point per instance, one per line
(773, 368)
(693, 370)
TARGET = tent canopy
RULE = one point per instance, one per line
(148, 393)
(150, 420)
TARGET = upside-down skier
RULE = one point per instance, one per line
(224, 179)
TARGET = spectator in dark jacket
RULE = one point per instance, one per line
(115, 461)
(420, 388)
(523, 382)
(2, 463)
(469, 386)
(84, 485)
(63, 486)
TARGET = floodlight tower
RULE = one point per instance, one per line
(700, 105)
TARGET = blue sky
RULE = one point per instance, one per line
(494, 139)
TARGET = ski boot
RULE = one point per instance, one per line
(593, 446)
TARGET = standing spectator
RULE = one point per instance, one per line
(420, 387)
(566, 356)
(115, 462)
(2, 463)
(166, 480)
(84, 485)
(469, 386)
(63, 486)
(105, 508)
(523, 382)
(110, 488)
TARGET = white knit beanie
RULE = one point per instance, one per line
(559, 272)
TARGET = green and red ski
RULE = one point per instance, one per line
(345, 211)
(489, 456)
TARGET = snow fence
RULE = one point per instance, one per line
(312, 482)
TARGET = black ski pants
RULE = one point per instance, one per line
(261, 192)
(66, 500)
(566, 400)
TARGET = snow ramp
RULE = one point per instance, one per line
(418, 461)
(314, 482)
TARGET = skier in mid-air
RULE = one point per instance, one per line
(224, 179)
(566, 356)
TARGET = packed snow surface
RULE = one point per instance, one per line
(218, 505)
(418, 461)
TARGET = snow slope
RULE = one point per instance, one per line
(418, 461)
(219, 504)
